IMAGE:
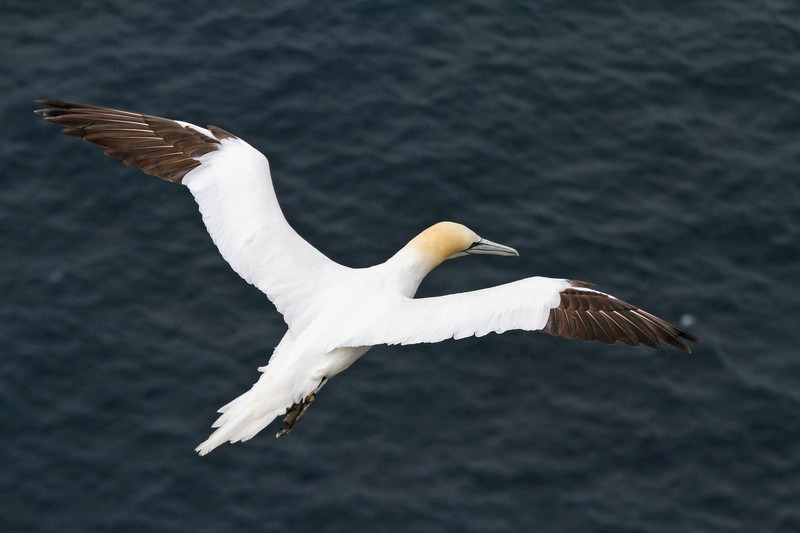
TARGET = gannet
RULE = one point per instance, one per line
(333, 313)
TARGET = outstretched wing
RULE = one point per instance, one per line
(230, 181)
(556, 306)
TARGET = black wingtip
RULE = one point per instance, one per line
(592, 315)
(58, 106)
(41, 111)
(53, 105)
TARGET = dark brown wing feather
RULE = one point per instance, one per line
(158, 146)
(591, 315)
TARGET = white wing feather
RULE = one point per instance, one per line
(394, 319)
(233, 189)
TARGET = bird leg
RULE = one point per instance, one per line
(296, 411)
(294, 414)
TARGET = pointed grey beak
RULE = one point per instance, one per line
(485, 246)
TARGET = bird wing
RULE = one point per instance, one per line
(556, 306)
(230, 181)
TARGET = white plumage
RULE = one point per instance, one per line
(334, 313)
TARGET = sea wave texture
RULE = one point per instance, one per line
(651, 148)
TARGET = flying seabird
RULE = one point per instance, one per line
(334, 313)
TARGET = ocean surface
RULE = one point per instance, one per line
(652, 148)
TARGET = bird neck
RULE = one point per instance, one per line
(407, 268)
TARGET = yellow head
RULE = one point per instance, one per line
(447, 240)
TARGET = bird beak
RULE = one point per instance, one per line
(485, 246)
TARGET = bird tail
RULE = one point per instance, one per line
(288, 386)
(284, 388)
(245, 416)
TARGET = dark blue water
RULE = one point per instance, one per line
(652, 148)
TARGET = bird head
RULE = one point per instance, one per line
(447, 240)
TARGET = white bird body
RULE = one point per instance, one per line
(334, 314)
(332, 335)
